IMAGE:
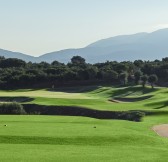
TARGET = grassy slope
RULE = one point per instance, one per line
(97, 97)
(50, 138)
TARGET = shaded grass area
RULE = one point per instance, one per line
(16, 99)
(79, 111)
(83, 141)
(132, 99)
(158, 104)
(132, 91)
(78, 89)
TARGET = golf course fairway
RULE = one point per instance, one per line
(41, 138)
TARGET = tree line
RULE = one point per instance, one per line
(16, 73)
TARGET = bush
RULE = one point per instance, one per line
(130, 115)
(11, 108)
(136, 115)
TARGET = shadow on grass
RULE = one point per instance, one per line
(83, 141)
(131, 91)
(22, 90)
(83, 112)
(157, 113)
(81, 89)
(158, 105)
(135, 99)
(120, 91)
(16, 99)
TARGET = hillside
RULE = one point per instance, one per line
(10, 54)
(145, 46)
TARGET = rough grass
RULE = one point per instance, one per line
(51, 138)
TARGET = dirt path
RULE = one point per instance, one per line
(161, 130)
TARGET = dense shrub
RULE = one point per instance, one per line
(11, 108)
(132, 115)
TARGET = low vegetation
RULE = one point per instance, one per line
(11, 109)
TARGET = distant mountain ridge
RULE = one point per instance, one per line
(145, 46)
(10, 54)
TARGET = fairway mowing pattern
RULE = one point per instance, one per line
(48, 138)
(38, 138)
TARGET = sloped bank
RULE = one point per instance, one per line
(126, 99)
(78, 111)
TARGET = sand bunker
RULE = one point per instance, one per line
(161, 130)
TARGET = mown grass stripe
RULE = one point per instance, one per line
(92, 141)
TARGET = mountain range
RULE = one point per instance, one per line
(144, 46)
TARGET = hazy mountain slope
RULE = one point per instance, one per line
(10, 54)
(65, 55)
(118, 40)
(145, 46)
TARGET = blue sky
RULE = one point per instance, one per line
(36, 27)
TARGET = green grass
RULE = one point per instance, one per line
(58, 138)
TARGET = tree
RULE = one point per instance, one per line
(109, 75)
(12, 62)
(56, 63)
(123, 78)
(165, 59)
(138, 64)
(152, 80)
(137, 76)
(144, 79)
(76, 60)
(91, 71)
(148, 68)
(120, 67)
